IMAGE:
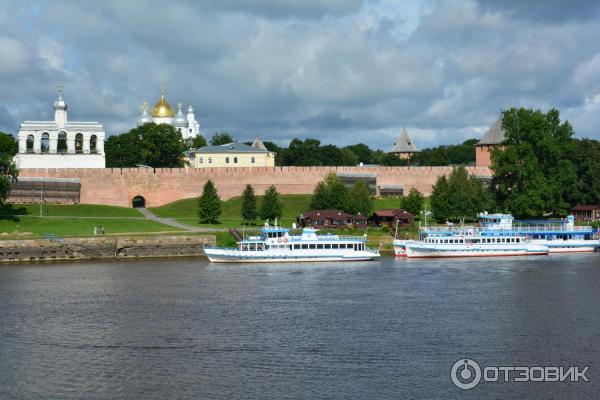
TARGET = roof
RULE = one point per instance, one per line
(494, 135)
(404, 144)
(235, 147)
(393, 213)
(586, 207)
(258, 144)
(330, 214)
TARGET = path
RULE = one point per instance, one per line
(172, 222)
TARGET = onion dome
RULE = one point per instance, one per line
(145, 117)
(162, 109)
(60, 103)
(179, 119)
(190, 109)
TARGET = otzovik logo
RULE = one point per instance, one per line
(466, 374)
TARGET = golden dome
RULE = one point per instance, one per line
(162, 109)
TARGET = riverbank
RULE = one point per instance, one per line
(103, 247)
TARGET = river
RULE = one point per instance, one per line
(391, 329)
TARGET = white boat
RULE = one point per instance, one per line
(472, 245)
(561, 236)
(275, 244)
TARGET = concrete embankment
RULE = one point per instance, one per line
(105, 247)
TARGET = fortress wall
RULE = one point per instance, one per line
(118, 186)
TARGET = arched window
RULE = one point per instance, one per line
(94, 144)
(79, 143)
(45, 145)
(61, 146)
(235, 160)
(30, 144)
(253, 160)
(226, 160)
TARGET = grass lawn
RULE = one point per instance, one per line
(68, 210)
(293, 205)
(77, 226)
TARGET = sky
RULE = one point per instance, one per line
(341, 71)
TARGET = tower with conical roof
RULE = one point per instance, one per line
(493, 138)
(404, 146)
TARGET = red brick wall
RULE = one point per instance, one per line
(160, 186)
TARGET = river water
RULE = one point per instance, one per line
(186, 329)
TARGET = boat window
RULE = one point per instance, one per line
(297, 247)
(327, 245)
(319, 245)
(334, 245)
(304, 246)
(518, 240)
(312, 246)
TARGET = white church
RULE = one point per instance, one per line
(60, 143)
(163, 113)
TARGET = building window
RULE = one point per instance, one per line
(201, 160)
(226, 160)
(94, 144)
(61, 145)
(30, 144)
(210, 160)
(253, 160)
(79, 143)
(235, 160)
(45, 145)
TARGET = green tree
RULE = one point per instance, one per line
(195, 142)
(363, 153)
(360, 199)
(220, 138)
(158, 146)
(249, 212)
(413, 202)
(460, 154)
(330, 194)
(302, 153)
(272, 206)
(8, 144)
(8, 170)
(534, 173)
(391, 160)
(459, 197)
(209, 204)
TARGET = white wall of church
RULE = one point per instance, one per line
(47, 160)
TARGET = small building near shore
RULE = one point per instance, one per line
(331, 219)
(586, 212)
(231, 155)
(391, 217)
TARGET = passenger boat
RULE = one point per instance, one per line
(471, 245)
(276, 244)
(561, 236)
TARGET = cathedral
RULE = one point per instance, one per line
(163, 113)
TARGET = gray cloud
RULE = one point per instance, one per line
(342, 71)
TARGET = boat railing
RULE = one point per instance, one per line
(528, 228)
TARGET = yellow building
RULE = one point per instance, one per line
(231, 155)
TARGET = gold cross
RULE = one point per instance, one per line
(60, 88)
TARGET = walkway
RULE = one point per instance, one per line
(172, 222)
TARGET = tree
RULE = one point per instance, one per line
(8, 170)
(220, 138)
(209, 204)
(413, 202)
(391, 160)
(363, 153)
(272, 206)
(196, 142)
(534, 173)
(302, 153)
(158, 146)
(460, 154)
(330, 194)
(249, 212)
(360, 199)
(459, 197)
(8, 144)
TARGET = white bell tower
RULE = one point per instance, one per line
(60, 109)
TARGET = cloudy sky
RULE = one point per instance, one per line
(343, 71)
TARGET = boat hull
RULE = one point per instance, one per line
(428, 251)
(232, 256)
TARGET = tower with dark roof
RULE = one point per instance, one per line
(493, 138)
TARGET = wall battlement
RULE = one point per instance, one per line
(158, 186)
